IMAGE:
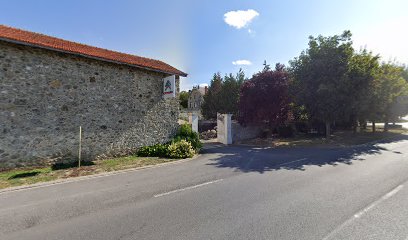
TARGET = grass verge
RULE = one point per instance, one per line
(18, 177)
(338, 139)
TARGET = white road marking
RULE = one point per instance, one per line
(393, 192)
(287, 163)
(385, 197)
(362, 212)
(187, 188)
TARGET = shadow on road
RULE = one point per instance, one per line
(257, 159)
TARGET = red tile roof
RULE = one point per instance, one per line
(52, 43)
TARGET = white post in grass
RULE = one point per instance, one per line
(79, 149)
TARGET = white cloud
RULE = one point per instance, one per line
(242, 62)
(240, 19)
(203, 85)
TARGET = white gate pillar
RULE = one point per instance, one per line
(193, 120)
(224, 133)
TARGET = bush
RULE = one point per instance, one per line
(265, 133)
(181, 149)
(186, 133)
(185, 130)
(158, 150)
(285, 131)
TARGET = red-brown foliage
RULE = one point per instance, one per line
(265, 98)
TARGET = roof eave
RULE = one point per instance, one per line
(180, 73)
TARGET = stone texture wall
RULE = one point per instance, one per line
(45, 96)
(240, 133)
(195, 100)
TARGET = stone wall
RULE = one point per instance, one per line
(45, 96)
(240, 133)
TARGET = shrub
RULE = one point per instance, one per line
(186, 133)
(158, 150)
(185, 130)
(177, 148)
(265, 133)
(285, 131)
(181, 149)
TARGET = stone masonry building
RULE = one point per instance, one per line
(196, 98)
(49, 87)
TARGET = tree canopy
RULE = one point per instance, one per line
(390, 90)
(328, 83)
(183, 99)
(265, 97)
(223, 94)
(363, 70)
(320, 77)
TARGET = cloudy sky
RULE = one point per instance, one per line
(203, 37)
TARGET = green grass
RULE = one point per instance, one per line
(130, 162)
(20, 177)
(339, 138)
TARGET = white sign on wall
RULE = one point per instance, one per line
(169, 87)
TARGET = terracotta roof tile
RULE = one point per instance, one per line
(40, 40)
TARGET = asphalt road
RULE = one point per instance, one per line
(228, 193)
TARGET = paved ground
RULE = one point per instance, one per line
(228, 193)
(403, 124)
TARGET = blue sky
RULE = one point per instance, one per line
(200, 39)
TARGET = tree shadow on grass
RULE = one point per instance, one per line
(24, 175)
(58, 166)
(258, 159)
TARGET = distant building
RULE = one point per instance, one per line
(196, 98)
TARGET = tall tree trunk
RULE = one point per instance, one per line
(355, 125)
(373, 126)
(386, 126)
(327, 130)
(386, 123)
(364, 125)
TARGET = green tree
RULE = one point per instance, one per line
(223, 95)
(363, 69)
(211, 99)
(405, 73)
(183, 99)
(390, 88)
(229, 95)
(320, 78)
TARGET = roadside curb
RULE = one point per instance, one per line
(212, 146)
(99, 175)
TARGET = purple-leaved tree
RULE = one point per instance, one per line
(265, 98)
